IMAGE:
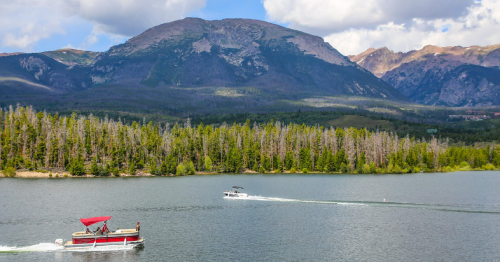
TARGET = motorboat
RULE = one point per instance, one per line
(101, 237)
(235, 192)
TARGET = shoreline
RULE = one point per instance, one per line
(65, 174)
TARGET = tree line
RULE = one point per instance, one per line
(33, 140)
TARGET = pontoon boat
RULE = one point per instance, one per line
(235, 192)
(91, 239)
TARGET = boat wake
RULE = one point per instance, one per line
(437, 207)
(42, 247)
(51, 247)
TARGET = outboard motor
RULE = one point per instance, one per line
(59, 242)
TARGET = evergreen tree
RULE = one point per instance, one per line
(94, 169)
(164, 168)
(234, 160)
(208, 164)
(288, 160)
(131, 169)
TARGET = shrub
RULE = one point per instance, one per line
(464, 164)
(304, 170)
(77, 168)
(373, 168)
(181, 169)
(185, 168)
(57, 175)
(50, 175)
(65, 175)
(140, 164)
(292, 170)
(366, 169)
(10, 171)
(390, 168)
(41, 171)
(343, 168)
(116, 172)
(397, 169)
(131, 169)
(489, 167)
(208, 164)
(190, 168)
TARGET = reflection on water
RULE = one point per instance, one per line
(123, 255)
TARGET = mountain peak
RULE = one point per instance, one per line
(235, 52)
(243, 34)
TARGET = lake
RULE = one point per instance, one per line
(425, 217)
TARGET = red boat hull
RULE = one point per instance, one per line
(102, 239)
(105, 238)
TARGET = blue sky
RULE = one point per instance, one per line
(220, 9)
(75, 33)
(349, 26)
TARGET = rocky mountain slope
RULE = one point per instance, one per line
(194, 65)
(381, 60)
(72, 57)
(452, 76)
(33, 74)
(235, 53)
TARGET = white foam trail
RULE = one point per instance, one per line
(437, 207)
(42, 247)
(278, 199)
(51, 247)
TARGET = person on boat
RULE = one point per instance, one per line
(105, 228)
(137, 227)
(118, 230)
(88, 231)
(98, 231)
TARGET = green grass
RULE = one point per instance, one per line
(361, 122)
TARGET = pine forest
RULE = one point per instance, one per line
(81, 145)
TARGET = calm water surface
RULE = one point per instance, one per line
(426, 217)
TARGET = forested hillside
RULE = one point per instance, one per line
(37, 140)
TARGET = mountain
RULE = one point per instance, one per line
(35, 74)
(9, 54)
(235, 53)
(381, 60)
(451, 76)
(194, 65)
(72, 57)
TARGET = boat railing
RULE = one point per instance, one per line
(123, 231)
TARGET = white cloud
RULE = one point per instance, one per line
(130, 17)
(69, 46)
(478, 27)
(328, 16)
(356, 25)
(23, 23)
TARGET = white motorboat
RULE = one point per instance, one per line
(235, 192)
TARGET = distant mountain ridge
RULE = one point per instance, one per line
(194, 65)
(452, 76)
(236, 52)
(381, 60)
